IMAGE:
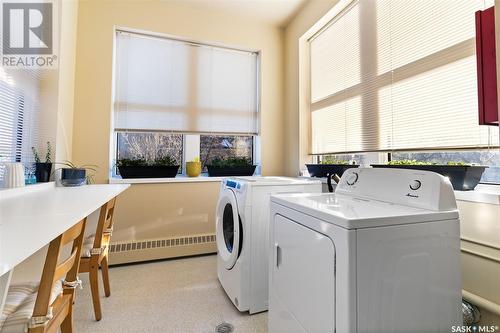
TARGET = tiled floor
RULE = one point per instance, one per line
(181, 295)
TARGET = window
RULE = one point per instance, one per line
(225, 146)
(149, 146)
(391, 75)
(19, 112)
(184, 98)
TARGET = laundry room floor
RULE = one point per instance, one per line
(178, 295)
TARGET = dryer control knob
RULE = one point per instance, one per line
(352, 178)
(415, 185)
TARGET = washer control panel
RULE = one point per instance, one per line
(233, 184)
(416, 188)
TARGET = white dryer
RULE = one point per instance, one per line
(242, 235)
(381, 255)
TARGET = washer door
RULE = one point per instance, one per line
(228, 228)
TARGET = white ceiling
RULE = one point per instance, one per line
(276, 12)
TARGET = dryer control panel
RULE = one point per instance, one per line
(415, 188)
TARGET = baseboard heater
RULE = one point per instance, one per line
(164, 248)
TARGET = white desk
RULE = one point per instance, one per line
(32, 217)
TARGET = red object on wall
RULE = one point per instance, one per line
(486, 67)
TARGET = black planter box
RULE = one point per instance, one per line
(73, 177)
(322, 170)
(462, 177)
(42, 172)
(161, 171)
(214, 171)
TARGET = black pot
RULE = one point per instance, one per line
(462, 177)
(161, 171)
(73, 177)
(214, 171)
(322, 170)
(42, 172)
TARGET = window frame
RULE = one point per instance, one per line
(115, 168)
(305, 123)
(192, 142)
(305, 89)
(189, 152)
(253, 145)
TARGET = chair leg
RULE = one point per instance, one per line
(67, 324)
(105, 276)
(94, 288)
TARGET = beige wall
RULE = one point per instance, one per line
(163, 210)
(151, 211)
(296, 134)
(57, 88)
(66, 78)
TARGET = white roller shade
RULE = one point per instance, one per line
(397, 75)
(171, 85)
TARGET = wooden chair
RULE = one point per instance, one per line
(48, 305)
(95, 255)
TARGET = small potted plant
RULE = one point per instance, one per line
(329, 166)
(43, 169)
(160, 167)
(462, 176)
(193, 168)
(76, 175)
(231, 166)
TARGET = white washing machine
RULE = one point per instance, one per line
(380, 255)
(242, 234)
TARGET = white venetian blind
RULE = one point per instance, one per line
(20, 125)
(396, 75)
(171, 85)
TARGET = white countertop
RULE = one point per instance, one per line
(30, 217)
(177, 179)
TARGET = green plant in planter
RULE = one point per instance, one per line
(231, 162)
(89, 178)
(166, 160)
(409, 162)
(131, 162)
(43, 169)
(48, 154)
(415, 162)
(458, 163)
(333, 160)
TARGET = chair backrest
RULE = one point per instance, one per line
(105, 224)
(54, 268)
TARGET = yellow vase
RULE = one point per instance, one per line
(193, 169)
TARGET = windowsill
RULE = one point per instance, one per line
(177, 179)
(483, 193)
